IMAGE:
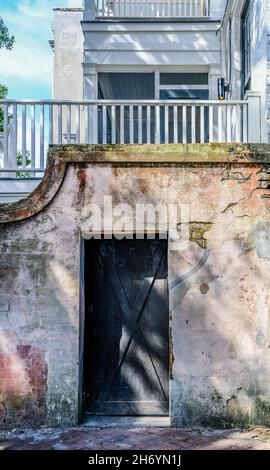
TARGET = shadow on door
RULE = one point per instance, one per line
(126, 339)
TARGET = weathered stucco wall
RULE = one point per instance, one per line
(219, 284)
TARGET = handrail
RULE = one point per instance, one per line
(126, 102)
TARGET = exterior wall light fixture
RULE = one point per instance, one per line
(223, 88)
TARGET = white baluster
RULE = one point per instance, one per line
(60, 137)
(104, 124)
(6, 132)
(113, 125)
(50, 124)
(193, 119)
(78, 125)
(131, 124)
(68, 124)
(184, 124)
(140, 124)
(163, 11)
(229, 124)
(220, 123)
(148, 124)
(175, 124)
(14, 135)
(33, 136)
(202, 133)
(211, 124)
(157, 124)
(41, 142)
(122, 125)
(166, 117)
(207, 7)
(237, 123)
(245, 122)
(24, 136)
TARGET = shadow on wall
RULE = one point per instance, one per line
(39, 325)
(220, 320)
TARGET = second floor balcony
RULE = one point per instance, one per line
(28, 128)
(148, 9)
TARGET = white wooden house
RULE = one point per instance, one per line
(144, 71)
(245, 53)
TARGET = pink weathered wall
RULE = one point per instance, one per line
(219, 284)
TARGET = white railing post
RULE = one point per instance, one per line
(92, 124)
(90, 93)
(213, 9)
(254, 118)
(14, 138)
(89, 10)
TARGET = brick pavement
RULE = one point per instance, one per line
(119, 438)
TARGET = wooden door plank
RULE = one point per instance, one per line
(134, 377)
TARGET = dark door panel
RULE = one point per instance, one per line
(126, 331)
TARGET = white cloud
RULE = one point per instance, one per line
(75, 3)
(27, 63)
(31, 58)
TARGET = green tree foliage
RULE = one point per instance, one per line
(3, 92)
(3, 95)
(6, 40)
(21, 174)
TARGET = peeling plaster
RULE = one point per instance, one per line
(219, 285)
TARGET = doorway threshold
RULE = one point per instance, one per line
(95, 421)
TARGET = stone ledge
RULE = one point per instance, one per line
(163, 154)
(59, 156)
(39, 198)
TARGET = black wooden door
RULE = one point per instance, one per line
(126, 331)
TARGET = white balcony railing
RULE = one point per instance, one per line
(152, 8)
(29, 127)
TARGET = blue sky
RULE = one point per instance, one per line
(27, 69)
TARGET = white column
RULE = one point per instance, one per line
(214, 74)
(91, 93)
(157, 85)
(90, 82)
(89, 10)
(254, 117)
